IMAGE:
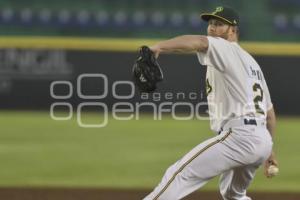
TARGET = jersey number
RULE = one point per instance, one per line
(258, 98)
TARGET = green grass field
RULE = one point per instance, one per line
(38, 151)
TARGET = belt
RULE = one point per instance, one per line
(250, 122)
(240, 122)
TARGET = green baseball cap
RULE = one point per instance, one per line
(225, 14)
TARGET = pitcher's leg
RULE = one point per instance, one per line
(234, 183)
(174, 188)
(204, 162)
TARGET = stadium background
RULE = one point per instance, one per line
(44, 41)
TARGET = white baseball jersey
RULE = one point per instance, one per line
(235, 83)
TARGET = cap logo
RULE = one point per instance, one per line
(234, 21)
(218, 9)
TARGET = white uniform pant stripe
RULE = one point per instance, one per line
(188, 162)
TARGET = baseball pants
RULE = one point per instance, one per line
(235, 154)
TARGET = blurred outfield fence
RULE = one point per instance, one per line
(28, 67)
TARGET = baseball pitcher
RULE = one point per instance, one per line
(240, 109)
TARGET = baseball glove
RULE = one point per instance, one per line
(146, 70)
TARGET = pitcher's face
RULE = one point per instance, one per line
(217, 28)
